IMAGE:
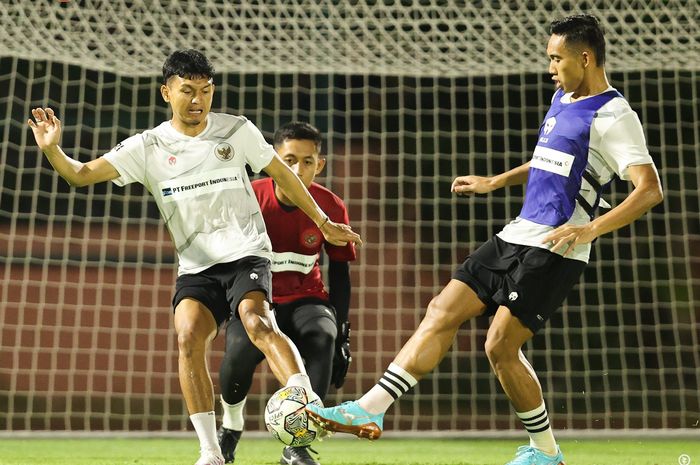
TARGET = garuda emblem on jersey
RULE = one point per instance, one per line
(310, 237)
(224, 151)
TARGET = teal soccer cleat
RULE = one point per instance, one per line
(528, 455)
(347, 417)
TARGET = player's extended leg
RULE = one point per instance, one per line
(456, 304)
(241, 358)
(314, 331)
(196, 327)
(447, 311)
(281, 354)
(504, 340)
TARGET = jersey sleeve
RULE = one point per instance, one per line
(128, 158)
(337, 212)
(623, 144)
(257, 152)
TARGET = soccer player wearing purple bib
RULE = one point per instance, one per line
(524, 273)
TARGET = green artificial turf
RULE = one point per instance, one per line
(336, 451)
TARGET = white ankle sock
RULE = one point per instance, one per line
(205, 426)
(393, 384)
(300, 379)
(536, 423)
(233, 415)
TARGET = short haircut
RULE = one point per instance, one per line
(187, 64)
(582, 29)
(297, 130)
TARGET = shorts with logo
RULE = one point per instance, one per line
(221, 287)
(531, 281)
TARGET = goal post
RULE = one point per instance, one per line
(408, 96)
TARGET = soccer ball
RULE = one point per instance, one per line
(286, 418)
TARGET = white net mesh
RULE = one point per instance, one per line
(87, 274)
(415, 38)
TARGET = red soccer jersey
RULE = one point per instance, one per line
(297, 242)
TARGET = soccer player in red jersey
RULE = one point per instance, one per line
(314, 318)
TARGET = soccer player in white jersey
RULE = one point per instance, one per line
(522, 275)
(194, 166)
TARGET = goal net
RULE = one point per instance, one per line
(408, 96)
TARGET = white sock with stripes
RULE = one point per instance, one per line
(393, 384)
(536, 423)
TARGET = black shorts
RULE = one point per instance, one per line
(221, 287)
(532, 282)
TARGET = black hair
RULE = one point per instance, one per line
(187, 64)
(297, 130)
(582, 29)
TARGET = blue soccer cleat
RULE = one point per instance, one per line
(528, 455)
(347, 417)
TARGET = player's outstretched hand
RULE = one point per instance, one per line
(46, 129)
(568, 236)
(339, 233)
(468, 185)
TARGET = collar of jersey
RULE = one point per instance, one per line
(566, 98)
(178, 135)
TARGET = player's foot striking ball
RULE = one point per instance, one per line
(348, 417)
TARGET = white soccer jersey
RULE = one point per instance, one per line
(201, 187)
(616, 143)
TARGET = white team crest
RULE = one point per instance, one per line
(224, 151)
(513, 296)
(549, 125)
(254, 276)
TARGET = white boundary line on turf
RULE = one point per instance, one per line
(666, 434)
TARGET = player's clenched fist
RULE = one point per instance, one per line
(468, 185)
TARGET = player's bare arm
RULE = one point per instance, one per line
(47, 131)
(647, 192)
(469, 185)
(335, 233)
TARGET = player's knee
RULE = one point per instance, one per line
(493, 351)
(258, 327)
(499, 352)
(191, 340)
(320, 333)
(195, 327)
(438, 315)
(316, 342)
